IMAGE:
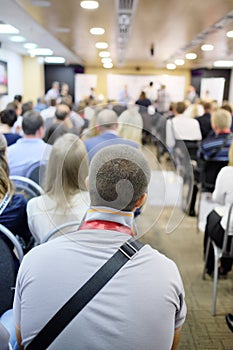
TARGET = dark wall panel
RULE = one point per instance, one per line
(61, 73)
(198, 74)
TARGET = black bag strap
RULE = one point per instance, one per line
(82, 297)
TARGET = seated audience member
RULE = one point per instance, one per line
(77, 121)
(18, 98)
(217, 221)
(107, 124)
(130, 125)
(65, 198)
(194, 110)
(8, 117)
(49, 112)
(181, 128)
(26, 107)
(17, 107)
(143, 101)
(204, 120)
(60, 125)
(13, 212)
(30, 148)
(216, 146)
(118, 183)
(40, 105)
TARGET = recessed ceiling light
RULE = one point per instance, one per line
(8, 29)
(230, 34)
(30, 46)
(171, 66)
(17, 39)
(40, 3)
(97, 31)
(223, 63)
(108, 65)
(104, 54)
(191, 56)
(101, 45)
(106, 60)
(41, 52)
(207, 47)
(53, 59)
(179, 62)
(89, 5)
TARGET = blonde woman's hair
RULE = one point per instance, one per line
(130, 125)
(230, 154)
(221, 118)
(5, 183)
(67, 168)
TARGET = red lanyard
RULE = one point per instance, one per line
(105, 225)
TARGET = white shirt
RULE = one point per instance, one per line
(223, 192)
(182, 128)
(44, 214)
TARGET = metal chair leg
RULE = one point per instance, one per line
(215, 280)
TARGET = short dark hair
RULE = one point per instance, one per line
(180, 107)
(118, 177)
(8, 116)
(62, 111)
(32, 122)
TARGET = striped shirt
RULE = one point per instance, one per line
(210, 145)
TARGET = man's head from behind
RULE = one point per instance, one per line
(118, 178)
(221, 120)
(106, 120)
(62, 112)
(33, 124)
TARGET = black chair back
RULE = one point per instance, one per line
(209, 173)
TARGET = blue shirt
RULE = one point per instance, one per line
(211, 144)
(25, 152)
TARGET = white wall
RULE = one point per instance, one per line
(15, 76)
(230, 97)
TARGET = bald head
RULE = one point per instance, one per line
(107, 119)
(118, 177)
(62, 112)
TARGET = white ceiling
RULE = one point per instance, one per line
(172, 27)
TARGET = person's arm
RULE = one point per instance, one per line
(176, 339)
(170, 138)
(19, 338)
(219, 191)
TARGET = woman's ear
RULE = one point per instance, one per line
(87, 182)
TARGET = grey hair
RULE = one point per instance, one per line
(118, 176)
(107, 118)
(221, 118)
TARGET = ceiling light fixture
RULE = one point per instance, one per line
(191, 56)
(8, 29)
(104, 54)
(106, 60)
(17, 39)
(108, 65)
(230, 34)
(54, 59)
(30, 46)
(89, 5)
(171, 66)
(41, 52)
(101, 45)
(207, 47)
(97, 31)
(223, 63)
(179, 62)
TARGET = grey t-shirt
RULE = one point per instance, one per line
(139, 308)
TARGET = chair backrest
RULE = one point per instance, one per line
(60, 229)
(27, 187)
(192, 147)
(36, 172)
(8, 269)
(227, 247)
(209, 173)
